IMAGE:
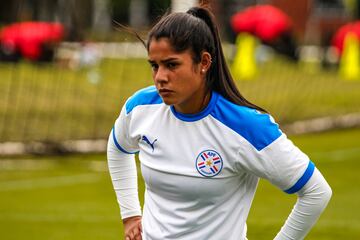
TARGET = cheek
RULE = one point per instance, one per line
(153, 75)
(196, 80)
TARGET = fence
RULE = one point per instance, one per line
(70, 101)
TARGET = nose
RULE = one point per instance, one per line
(161, 75)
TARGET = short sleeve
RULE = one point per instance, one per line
(121, 134)
(280, 162)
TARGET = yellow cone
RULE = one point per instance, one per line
(349, 67)
(244, 64)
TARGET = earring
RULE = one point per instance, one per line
(203, 70)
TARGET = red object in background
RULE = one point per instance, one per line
(338, 38)
(29, 37)
(264, 21)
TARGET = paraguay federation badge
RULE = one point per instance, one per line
(209, 163)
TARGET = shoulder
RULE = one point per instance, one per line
(259, 129)
(145, 96)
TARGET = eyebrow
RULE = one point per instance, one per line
(164, 61)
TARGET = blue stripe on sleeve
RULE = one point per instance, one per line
(257, 128)
(118, 145)
(303, 180)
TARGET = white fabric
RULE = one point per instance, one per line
(312, 200)
(181, 200)
(123, 173)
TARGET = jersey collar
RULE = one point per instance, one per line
(199, 115)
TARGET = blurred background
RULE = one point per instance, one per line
(68, 66)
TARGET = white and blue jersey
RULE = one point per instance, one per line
(201, 170)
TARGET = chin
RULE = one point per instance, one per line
(168, 101)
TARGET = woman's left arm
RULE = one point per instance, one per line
(269, 154)
(312, 200)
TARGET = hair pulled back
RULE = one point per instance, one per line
(196, 31)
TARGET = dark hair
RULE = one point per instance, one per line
(196, 30)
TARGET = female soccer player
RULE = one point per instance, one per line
(202, 145)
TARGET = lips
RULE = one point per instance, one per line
(163, 91)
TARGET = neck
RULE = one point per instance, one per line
(196, 105)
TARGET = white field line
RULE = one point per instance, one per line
(48, 182)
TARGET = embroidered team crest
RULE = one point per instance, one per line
(209, 163)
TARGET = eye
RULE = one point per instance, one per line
(171, 65)
(154, 66)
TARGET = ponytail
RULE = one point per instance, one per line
(219, 77)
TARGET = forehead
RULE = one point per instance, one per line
(162, 48)
(161, 44)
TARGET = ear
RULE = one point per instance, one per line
(205, 62)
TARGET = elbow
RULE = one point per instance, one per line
(322, 189)
(321, 199)
(327, 194)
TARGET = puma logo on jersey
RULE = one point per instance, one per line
(151, 144)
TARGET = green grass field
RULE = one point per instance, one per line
(71, 197)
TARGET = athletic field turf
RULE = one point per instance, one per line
(71, 197)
